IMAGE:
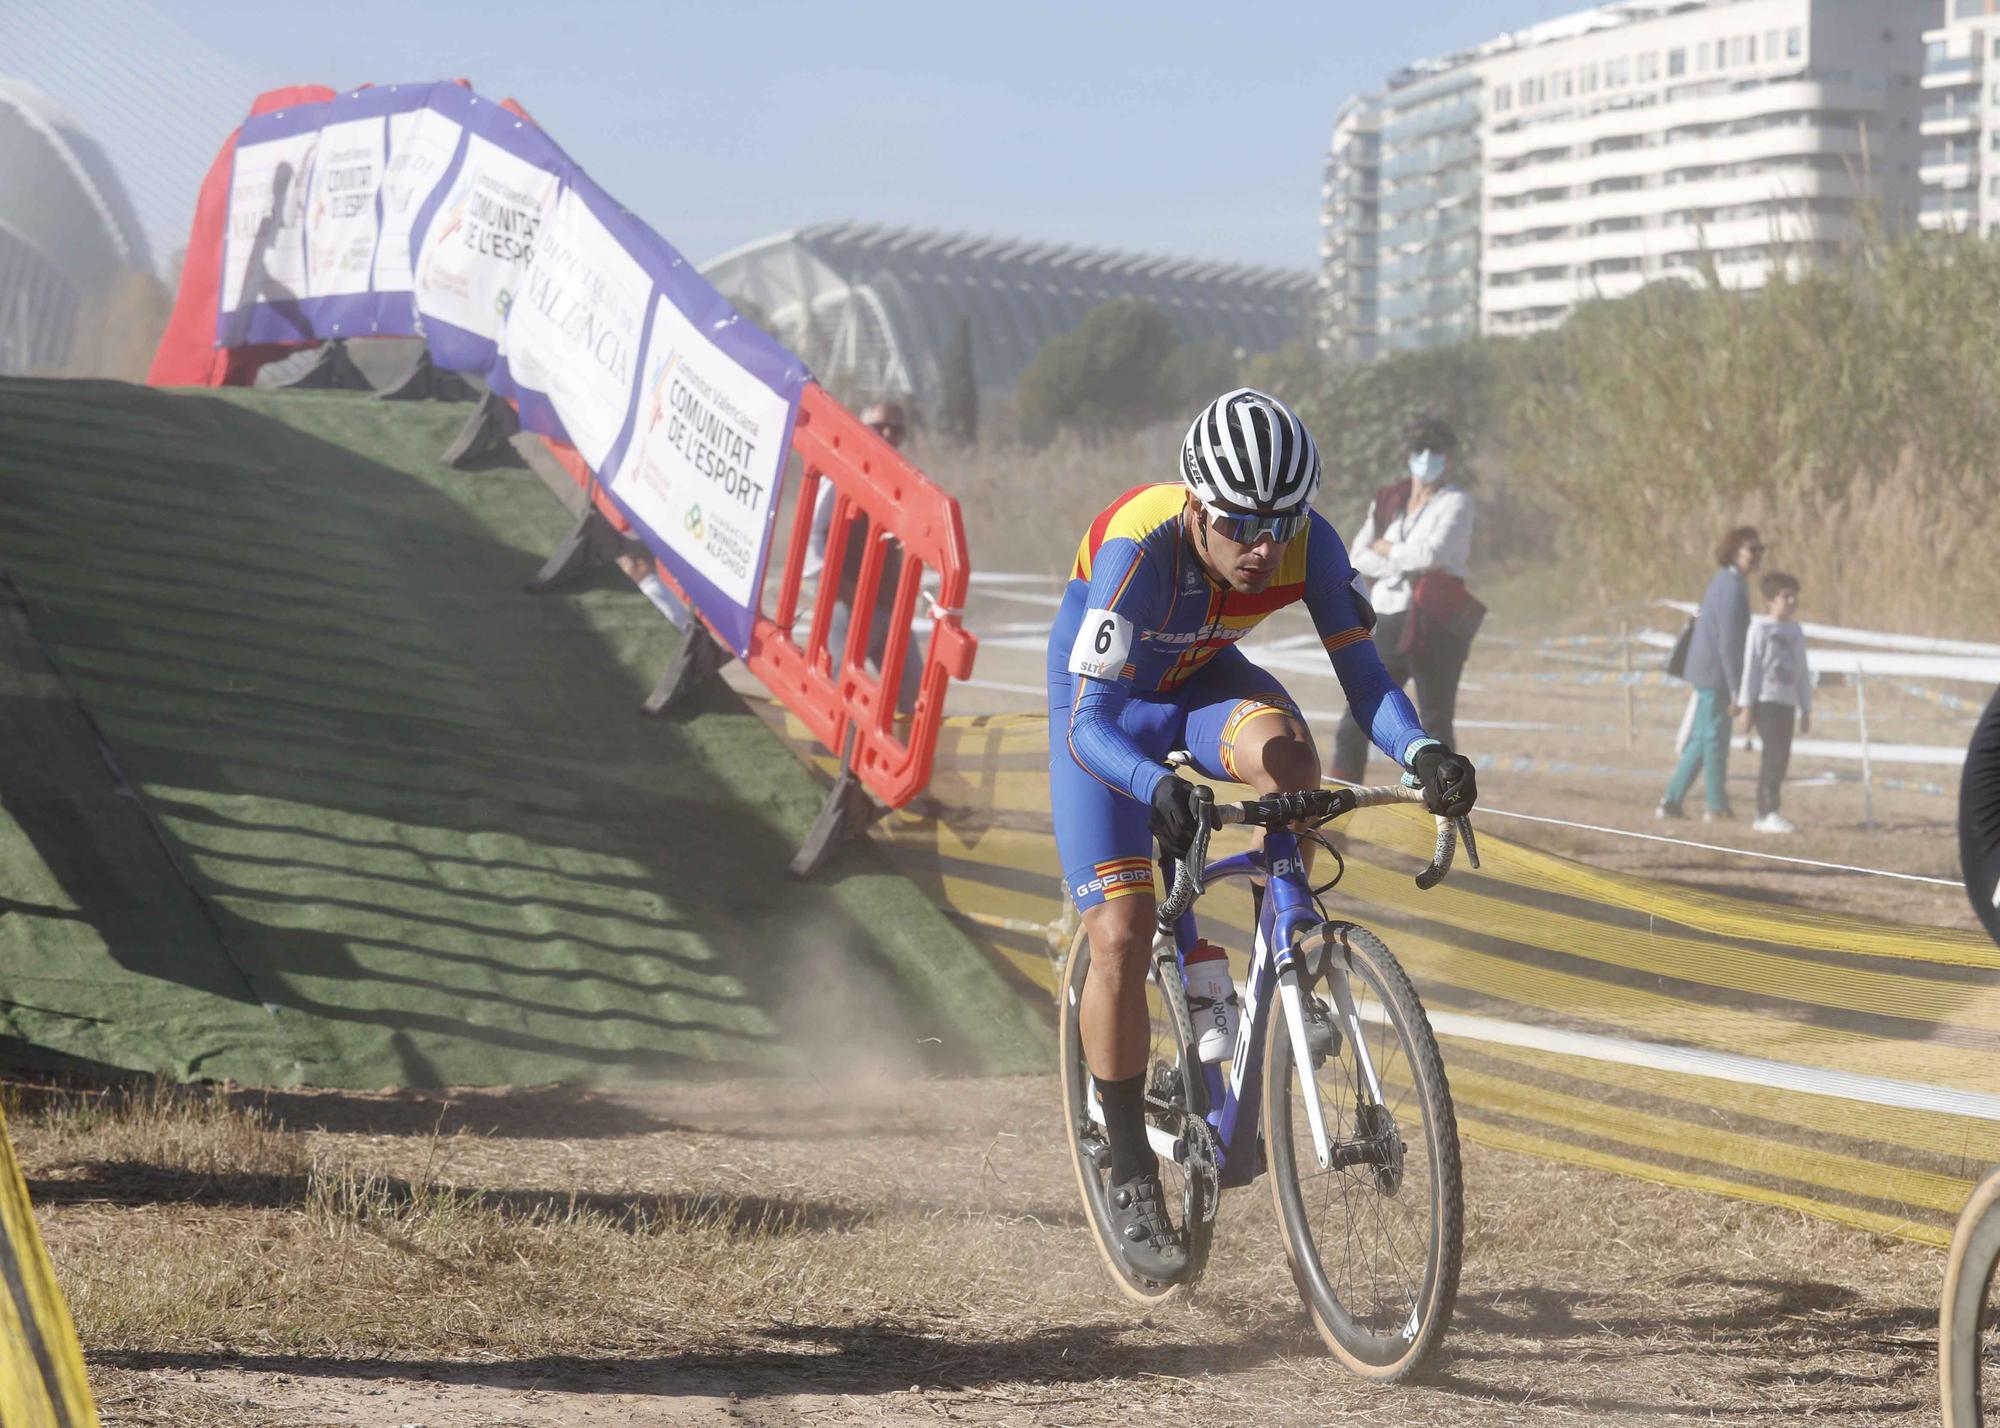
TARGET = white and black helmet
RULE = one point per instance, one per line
(1249, 454)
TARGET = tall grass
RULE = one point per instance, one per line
(1850, 413)
(1026, 509)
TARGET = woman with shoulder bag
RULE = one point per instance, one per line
(1413, 547)
(1713, 664)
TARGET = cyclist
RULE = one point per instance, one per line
(1142, 661)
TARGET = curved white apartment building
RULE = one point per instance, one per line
(1648, 140)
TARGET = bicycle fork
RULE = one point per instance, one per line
(1291, 995)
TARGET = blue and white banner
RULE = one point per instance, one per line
(427, 210)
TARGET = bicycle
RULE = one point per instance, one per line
(1341, 1156)
(1966, 1378)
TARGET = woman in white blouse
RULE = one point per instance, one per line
(1416, 527)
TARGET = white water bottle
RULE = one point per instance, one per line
(1212, 1000)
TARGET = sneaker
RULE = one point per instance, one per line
(1718, 815)
(1668, 811)
(1774, 823)
(1148, 1244)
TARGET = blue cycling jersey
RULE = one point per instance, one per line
(1141, 616)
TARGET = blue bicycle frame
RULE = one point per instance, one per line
(1288, 908)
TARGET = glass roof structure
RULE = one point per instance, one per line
(872, 308)
(66, 228)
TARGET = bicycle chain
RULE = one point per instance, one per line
(1204, 1167)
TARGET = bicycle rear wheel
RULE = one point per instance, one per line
(1374, 1245)
(1176, 1101)
(1969, 1375)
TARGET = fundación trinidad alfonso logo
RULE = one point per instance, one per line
(696, 526)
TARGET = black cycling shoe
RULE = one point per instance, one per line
(1147, 1242)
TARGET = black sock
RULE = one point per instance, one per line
(1124, 1105)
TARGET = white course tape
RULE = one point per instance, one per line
(995, 577)
(1877, 639)
(1020, 597)
(1003, 687)
(1722, 1066)
(1821, 660)
(1948, 756)
(1922, 666)
(1484, 809)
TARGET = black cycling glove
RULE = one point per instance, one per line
(1173, 819)
(1449, 784)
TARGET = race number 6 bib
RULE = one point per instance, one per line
(1103, 643)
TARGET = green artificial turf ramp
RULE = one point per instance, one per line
(300, 786)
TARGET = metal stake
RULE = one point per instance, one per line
(1867, 765)
(1625, 644)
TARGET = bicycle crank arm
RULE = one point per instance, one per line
(1294, 1003)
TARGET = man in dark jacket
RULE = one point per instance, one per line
(1715, 669)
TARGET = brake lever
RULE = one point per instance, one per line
(1188, 881)
(1464, 822)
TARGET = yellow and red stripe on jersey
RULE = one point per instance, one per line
(1341, 639)
(1124, 877)
(1133, 516)
(1232, 614)
(1243, 713)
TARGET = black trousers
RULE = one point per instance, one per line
(1435, 667)
(1774, 731)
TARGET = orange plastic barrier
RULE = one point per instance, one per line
(832, 691)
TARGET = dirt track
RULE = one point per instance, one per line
(774, 1252)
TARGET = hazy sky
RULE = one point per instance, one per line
(1174, 127)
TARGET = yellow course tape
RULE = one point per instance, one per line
(1548, 1148)
(42, 1383)
(1534, 938)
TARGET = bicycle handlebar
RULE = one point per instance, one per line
(1281, 810)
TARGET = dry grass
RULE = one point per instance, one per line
(813, 1249)
(1025, 510)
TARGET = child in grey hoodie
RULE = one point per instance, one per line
(1776, 685)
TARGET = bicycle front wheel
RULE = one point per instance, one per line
(1969, 1376)
(1374, 1239)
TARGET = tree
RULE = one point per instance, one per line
(1196, 373)
(958, 406)
(116, 329)
(1103, 372)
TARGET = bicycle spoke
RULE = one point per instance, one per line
(1379, 1272)
(1375, 1240)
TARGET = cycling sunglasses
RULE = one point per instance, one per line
(1248, 530)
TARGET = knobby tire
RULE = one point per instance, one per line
(1319, 1269)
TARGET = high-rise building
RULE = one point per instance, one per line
(1653, 139)
(1960, 168)
(1350, 224)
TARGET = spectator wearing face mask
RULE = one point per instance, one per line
(1412, 548)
